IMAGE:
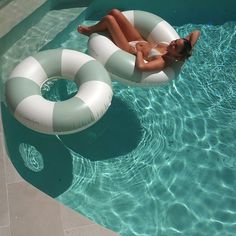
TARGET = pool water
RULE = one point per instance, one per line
(180, 176)
(162, 161)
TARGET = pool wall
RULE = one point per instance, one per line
(176, 12)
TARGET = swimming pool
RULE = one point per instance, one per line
(161, 161)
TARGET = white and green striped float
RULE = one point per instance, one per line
(24, 98)
(121, 65)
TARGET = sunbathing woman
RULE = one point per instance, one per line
(124, 35)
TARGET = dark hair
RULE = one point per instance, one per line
(186, 51)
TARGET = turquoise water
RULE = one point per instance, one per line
(161, 162)
(180, 177)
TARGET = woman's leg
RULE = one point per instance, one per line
(99, 27)
(110, 24)
(128, 29)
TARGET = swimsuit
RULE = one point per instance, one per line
(152, 53)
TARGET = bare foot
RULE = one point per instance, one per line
(84, 30)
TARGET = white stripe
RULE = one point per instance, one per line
(72, 61)
(96, 95)
(129, 15)
(163, 32)
(36, 113)
(31, 69)
(159, 78)
(101, 48)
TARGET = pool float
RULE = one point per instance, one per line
(24, 98)
(121, 65)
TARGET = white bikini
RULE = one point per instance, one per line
(152, 53)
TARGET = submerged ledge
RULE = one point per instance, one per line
(16, 11)
(17, 17)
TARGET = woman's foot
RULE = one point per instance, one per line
(84, 30)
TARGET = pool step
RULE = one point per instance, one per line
(16, 16)
(52, 24)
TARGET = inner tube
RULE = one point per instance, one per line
(121, 65)
(24, 98)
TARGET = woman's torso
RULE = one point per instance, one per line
(150, 50)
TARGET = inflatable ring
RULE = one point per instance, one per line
(24, 98)
(121, 65)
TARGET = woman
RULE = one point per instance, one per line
(124, 35)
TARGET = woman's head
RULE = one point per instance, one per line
(180, 48)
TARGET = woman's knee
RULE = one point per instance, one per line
(109, 19)
(115, 12)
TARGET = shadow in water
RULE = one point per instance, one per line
(117, 133)
(40, 159)
(45, 163)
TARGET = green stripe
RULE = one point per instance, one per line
(50, 60)
(92, 71)
(17, 89)
(145, 22)
(71, 114)
(122, 64)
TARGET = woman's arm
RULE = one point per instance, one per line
(157, 64)
(193, 37)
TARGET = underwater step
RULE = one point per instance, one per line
(15, 11)
(53, 23)
(16, 16)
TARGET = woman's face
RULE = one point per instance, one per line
(176, 47)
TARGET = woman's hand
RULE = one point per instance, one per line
(140, 45)
(155, 65)
(193, 37)
(132, 51)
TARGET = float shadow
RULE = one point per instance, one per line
(40, 159)
(117, 133)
